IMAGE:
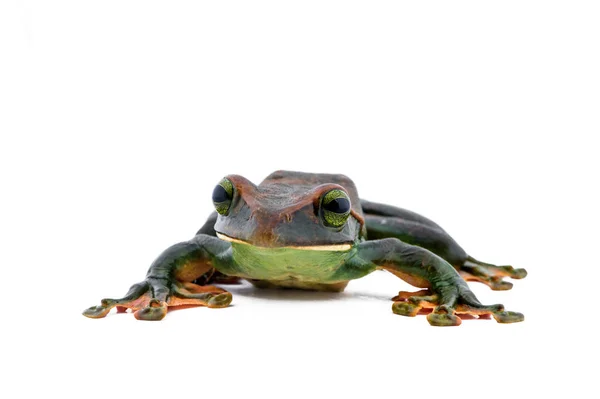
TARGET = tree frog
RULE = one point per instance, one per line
(312, 232)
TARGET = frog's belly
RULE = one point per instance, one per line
(289, 267)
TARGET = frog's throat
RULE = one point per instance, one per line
(334, 247)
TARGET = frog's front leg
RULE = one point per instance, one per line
(447, 293)
(169, 281)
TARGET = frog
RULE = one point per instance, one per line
(311, 231)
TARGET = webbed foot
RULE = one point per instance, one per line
(490, 275)
(446, 308)
(150, 299)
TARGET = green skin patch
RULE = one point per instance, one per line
(222, 207)
(226, 184)
(296, 230)
(287, 264)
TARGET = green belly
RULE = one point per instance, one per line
(289, 267)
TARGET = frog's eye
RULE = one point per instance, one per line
(222, 196)
(335, 208)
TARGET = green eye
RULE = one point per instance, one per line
(335, 207)
(222, 195)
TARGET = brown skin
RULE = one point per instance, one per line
(261, 215)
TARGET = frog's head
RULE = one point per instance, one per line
(289, 209)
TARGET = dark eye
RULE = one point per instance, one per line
(222, 196)
(335, 208)
(219, 194)
(338, 205)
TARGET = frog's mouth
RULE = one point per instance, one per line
(330, 247)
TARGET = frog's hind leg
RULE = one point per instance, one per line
(385, 221)
(490, 275)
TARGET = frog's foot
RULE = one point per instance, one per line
(444, 312)
(150, 299)
(490, 275)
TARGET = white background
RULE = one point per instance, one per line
(117, 119)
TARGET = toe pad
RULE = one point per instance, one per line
(443, 319)
(508, 317)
